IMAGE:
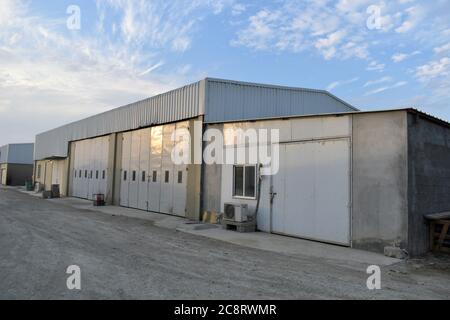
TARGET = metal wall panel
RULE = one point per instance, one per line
(219, 100)
(20, 153)
(233, 101)
(4, 154)
(183, 103)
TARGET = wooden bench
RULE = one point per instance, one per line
(439, 231)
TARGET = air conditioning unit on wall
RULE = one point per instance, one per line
(235, 212)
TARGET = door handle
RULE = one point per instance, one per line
(272, 196)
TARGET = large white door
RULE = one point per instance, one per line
(90, 163)
(313, 191)
(150, 179)
(180, 177)
(125, 172)
(144, 165)
(133, 191)
(154, 186)
(85, 180)
(167, 171)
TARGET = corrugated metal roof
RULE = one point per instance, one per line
(183, 103)
(20, 153)
(218, 100)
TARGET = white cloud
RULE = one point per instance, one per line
(399, 57)
(382, 89)
(443, 48)
(433, 69)
(67, 76)
(375, 66)
(152, 68)
(338, 30)
(238, 9)
(327, 46)
(378, 81)
(336, 84)
(414, 16)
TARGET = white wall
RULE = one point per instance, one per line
(295, 129)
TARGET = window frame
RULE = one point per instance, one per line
(167, 176)
(244, 166)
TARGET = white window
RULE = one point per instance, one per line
(244, 181)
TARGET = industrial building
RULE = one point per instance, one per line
(353, 178)
(16, 164)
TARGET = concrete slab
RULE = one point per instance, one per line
(348, 257)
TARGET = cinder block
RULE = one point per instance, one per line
(395, 252)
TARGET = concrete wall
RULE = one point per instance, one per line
(3, 173)
(380, 173)
(429, 177)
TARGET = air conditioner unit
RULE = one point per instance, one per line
(235, 212)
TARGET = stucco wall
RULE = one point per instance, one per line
(380, 202)
(429, 177)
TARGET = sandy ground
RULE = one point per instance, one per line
(129, 258)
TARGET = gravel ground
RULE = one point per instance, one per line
(126, 258)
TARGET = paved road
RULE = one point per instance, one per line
(126, 258)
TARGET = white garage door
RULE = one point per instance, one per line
(150, 180)
(90, 167)
(313, 191)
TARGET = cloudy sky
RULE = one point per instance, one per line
(373, 54)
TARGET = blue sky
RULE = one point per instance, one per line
(373, 54)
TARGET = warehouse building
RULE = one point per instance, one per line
(16, 164)
(358, 179)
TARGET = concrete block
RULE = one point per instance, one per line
(395, 252)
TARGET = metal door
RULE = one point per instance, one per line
(180, 177)
(167, 171)
(144, 166)
(312, 191)
(154, 186)
(125, 172)
(103, 166)
(90, 165)
(133, 192)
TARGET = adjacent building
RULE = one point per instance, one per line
(358, 179)
(16, 164)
